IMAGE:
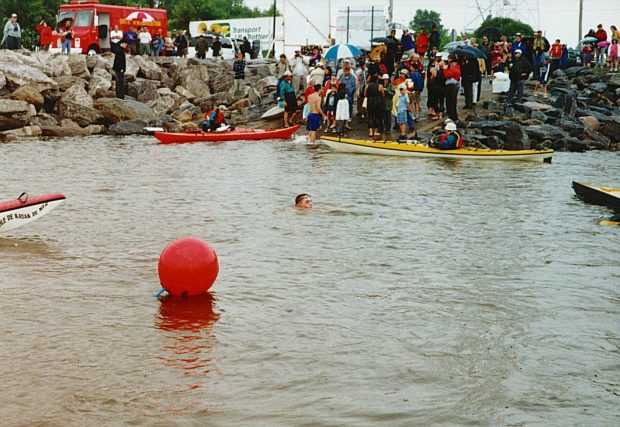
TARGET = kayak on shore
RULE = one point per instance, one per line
(604, 196)
(230, 134)
(23, 210)
(417, 149)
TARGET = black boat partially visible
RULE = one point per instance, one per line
(604, 196)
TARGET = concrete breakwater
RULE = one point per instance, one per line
(55, 95)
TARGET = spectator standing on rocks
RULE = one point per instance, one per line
(486, 47)
(539, 47)
(362, 77)
(45, 35)
(145, 41)
(390, 53)
(564, 57)
(216, 46)
(239, 70)
(158, 44)
(169, 45)
(452, 74)
(615, 33)
(131, 37)
(119, 67)
(282, 66)
(434, 40)
(555, 54)
(518, 43)
(289, 99)
(67, 35)
(519, 71)
(201, 47)
(545, 70)
(407, 41)
(469, 73)
(298, 64)
(388, 91)
(586, 54)
(421, 43)
(601, 36)
(374, 93)
(12, 37)
(181, 43)
(246, 48)
(116, 36)
(613, 55)
(350, 82)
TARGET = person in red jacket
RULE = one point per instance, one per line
(452, 73)
(601, 36)
(45, 35)
(421, 43)
(555, 53)
(214, 119)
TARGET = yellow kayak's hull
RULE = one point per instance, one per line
(391, 148)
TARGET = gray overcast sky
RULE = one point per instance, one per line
(558, 18)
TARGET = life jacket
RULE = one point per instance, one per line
(456, 135)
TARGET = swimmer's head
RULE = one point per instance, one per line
(303, 201)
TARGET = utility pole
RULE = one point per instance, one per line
(391, 11)
(580, 17)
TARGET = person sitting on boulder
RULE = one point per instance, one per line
(214, 119)
(451, 139)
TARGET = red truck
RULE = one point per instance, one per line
(92, 22)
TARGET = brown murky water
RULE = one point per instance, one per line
(418, 292)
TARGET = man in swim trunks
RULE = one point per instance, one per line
(314, 120)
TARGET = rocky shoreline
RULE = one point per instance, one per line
(53, 95)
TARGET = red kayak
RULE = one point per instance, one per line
(233, 134)
(25, 209)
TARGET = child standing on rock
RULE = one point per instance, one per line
(543, 79)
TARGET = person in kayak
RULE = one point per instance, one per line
(214, 119)
(303, 201)
(451, 139)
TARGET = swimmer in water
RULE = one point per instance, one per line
(303, 201)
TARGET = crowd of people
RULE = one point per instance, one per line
(387, 92)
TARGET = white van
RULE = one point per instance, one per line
(229, 46)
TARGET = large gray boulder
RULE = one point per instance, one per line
(195, 79)
(143, 90)
(611, 128)
(516, 137)
(59, 66)
(147, 68)
(28, 94)
(18, 75)
(162, 105)
(2, 80)
(77, 63)
(129, 127)
(14, 114)
(117, 110)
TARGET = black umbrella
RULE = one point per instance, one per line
(464, 53)
(475, 51)
(493, 33)
(384, 40)
(427, 23)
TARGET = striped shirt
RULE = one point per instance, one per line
(239, 69)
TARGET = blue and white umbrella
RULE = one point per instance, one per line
(342, 50)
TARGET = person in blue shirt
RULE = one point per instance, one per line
(351, 82)
(239, 70)
(131, 37)
(451, 139)
(517, 44)
(407, 41)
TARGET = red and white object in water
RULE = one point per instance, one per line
(25, 209)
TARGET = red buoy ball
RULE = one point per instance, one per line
(187, 267)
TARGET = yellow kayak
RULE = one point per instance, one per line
(417, 149)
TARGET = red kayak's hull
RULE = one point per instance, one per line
(237, 134)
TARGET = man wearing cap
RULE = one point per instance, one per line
(519, 71)
(214, 119)
(539, 47)
(12, 37)
(518, 43)
(119, 67)
(407, 41)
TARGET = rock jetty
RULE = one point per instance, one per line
(43, 94)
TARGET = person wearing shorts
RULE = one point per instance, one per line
(314, 119)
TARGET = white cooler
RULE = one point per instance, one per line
(501, 82)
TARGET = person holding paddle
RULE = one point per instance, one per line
(215, 120)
